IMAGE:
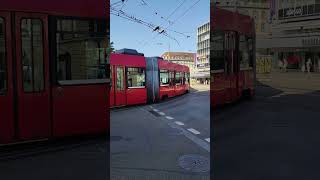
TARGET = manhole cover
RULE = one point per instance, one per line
(194, 163)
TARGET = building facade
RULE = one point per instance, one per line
(202, 74)
(183, 58)
(296, 33)
(203, 46)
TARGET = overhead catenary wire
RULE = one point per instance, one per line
(170, 24)
(159, 29)
(145, 2)
(155, 11)
(173, 12)
(126, 16)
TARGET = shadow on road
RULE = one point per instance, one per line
(273, 136)
(18, 151)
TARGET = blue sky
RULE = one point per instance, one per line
(128, 34)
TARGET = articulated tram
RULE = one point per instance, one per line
(136, 79)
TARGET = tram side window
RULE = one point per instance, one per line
(251, 51)
(164, 77)
(3, 60)
(81, 49)
(135, 77)
(120, 79)
(244, 51)
(171, 77)
(32, 55)
(217, 58)
(187, 78)
(178, 78)
(183, 78)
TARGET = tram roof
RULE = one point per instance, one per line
(226, 20)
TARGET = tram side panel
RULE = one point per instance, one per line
(135, 94)
(71, 119)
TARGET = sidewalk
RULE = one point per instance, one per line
(291, 80)
(200, 87)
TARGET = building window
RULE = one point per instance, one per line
(164, 77)
(32, 55)
(3, 59)
(81, 49)
(135, 77)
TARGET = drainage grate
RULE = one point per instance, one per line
(155, 113)
(194, 163)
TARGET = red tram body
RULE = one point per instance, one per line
(137, 79)
(52, 69)
(232, 56)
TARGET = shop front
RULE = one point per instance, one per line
(297, 57)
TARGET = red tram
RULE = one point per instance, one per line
(232, 56)
(136, 79)
(53, 79)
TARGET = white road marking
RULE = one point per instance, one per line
(179, 123)
(162, 113)
(156, 110)
(193, 131)
(278, 95)
(200, 142)
(169, 117)
(208, 139)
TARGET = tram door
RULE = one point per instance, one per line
(119, 86)
(6, 84)
(32, 76)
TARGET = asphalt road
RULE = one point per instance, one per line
(80, 159)
(274, 136)
(161, 141)
(193, 110)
